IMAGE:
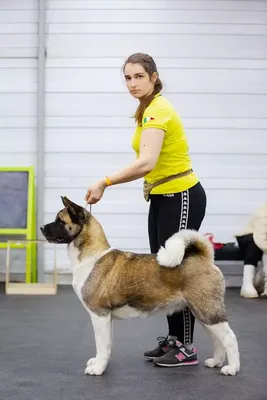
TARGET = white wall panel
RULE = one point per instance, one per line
(230, 5)
(162, 62)
(203, 140)
(162, 28)
(128, 124)
(182, 81)
(227, 141)
(18, 5)
(195, 46)
(18, 90)
(11, 52)
(197, 105)
(18, 28)
(18, 104)
(96, 164)
(151, 14)
(18, 77)
(9, 15)
(13, 82)
(19, 40)
(18, 159)
(18, 63)
(242, 183)
(18, 140)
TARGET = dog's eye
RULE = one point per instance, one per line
(70, 228)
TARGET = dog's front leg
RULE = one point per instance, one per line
(103, 340)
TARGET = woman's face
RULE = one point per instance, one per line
(138, 81)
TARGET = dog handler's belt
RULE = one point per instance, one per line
(147, 187)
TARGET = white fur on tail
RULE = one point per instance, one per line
(173, 253)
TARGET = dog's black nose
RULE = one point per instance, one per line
(42, 229)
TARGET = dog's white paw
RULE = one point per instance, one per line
(212, 363)
(96, 369)
(230, 370)
(91, 361)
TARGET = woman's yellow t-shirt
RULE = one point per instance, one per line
(174, 157)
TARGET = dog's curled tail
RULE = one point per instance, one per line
(184, 244)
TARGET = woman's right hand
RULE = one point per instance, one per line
(94, 193)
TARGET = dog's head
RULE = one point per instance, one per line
(67, 224)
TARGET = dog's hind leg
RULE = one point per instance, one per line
(103, 340)
(224, 334)
(219, 351)
(210, 312)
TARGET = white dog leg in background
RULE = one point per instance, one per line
(248, 290)
(103, 340)
(226, 336)
(264, 265)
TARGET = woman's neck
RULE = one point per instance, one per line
(145, 96)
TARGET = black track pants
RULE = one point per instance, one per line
(167, 215)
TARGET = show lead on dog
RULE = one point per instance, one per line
(177, 198)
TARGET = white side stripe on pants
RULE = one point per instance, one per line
(184, 210)
(183, 225)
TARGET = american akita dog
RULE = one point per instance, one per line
(117, 284)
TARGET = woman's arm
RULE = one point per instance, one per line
(150, 146)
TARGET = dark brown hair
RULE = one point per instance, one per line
(150, 67)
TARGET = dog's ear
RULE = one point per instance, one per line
(73, 208)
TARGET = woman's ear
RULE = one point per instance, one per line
(154, 77)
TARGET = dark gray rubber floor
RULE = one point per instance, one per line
(46, 341)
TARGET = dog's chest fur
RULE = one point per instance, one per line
(81, 270)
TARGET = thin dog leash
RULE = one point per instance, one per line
(90, 207)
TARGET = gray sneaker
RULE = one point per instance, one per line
(177, 356)
(164, 345)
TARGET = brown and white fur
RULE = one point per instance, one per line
(115, 284)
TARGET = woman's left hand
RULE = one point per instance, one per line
(94, 193)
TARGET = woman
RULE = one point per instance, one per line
(179, 202)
